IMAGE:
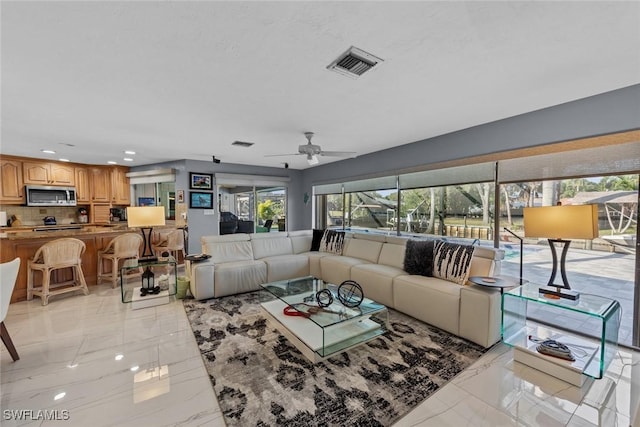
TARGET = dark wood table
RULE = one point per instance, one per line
(500, 282)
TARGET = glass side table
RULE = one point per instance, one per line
(588, 326)
(164, 278)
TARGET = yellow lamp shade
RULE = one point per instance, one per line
(145, 216)
(562, 222)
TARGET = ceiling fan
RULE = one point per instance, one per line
(312, 151)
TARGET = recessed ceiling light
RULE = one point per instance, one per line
(59, 396)
(130, 152)
(111, 162)
(48, 151)
(119, 356)
(64, 160)
(127, 159)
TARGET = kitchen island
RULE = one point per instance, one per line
(24, 244)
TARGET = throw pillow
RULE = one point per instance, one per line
(452, 261)
(315, 241)
(332, 241)
(418, 257)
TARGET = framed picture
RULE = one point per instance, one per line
(180, 196)
(198, 200)
(146, 201)
(200, 181)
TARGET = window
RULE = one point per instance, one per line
(460, 202)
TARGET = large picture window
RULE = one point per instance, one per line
(483, 204)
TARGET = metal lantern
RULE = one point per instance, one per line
(148, 279)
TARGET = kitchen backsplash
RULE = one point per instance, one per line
(30, 215)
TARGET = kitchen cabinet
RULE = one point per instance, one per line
(48, 173)
(12, 185)
(99, 213)
(100, 185)
(83, 185)
(120, 190)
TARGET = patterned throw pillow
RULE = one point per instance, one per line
(418, 257)
(332, 242)
(451, 261)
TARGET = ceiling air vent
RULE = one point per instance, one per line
(354, 62)
(242, 144)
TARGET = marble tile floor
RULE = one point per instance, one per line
(94, 361)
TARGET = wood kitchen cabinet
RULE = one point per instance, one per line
(12, 185)
(83, 185)
(100, 185)
(99, 213)
(120, 190)
(48, 173)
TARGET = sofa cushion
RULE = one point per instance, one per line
(300, 240)
(336, 269)
(485, 261)
(332, 242)
(365, 249)
(376, 281)
(314, 262)
(418, 257)
(228, 248)
(432, 300)
(283, 267)
(270, 244)
(315, 241)
(232, 278)
(451, 261)
(392, 255)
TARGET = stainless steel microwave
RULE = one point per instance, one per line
(41, 195)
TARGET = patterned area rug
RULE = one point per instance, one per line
(260, 379)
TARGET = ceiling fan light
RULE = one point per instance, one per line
(312, 159)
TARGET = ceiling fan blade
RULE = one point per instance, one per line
(282, 155)
(338, 153)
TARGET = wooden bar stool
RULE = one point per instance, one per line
(56, 255)
(124, 246)
(172, 242)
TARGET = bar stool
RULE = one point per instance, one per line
(55, 255)
(124, 246)
(172, 242)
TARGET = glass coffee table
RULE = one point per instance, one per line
(317, 332)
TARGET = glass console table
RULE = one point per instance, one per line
(588, 326)
(164, 277)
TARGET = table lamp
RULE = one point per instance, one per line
(559, 224)
(145, 218)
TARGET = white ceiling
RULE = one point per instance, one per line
(183, 80)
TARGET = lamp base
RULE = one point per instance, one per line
(559, 292)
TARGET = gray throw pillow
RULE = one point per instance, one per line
(418, 257)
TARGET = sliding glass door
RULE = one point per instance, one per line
(246, 206)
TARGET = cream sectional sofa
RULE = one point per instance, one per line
(241, 262)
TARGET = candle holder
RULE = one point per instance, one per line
(148, 283)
